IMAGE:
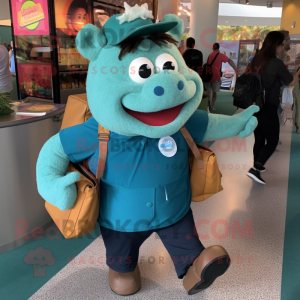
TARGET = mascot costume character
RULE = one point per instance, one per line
(140, 89)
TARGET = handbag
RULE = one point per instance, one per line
(287, 96)
(205, 176)
(81, 219)
(207, 72)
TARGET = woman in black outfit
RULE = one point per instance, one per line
(274, 75)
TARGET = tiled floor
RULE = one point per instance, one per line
(255, 272)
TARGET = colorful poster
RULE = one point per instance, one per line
(35, 80)
(30, 17)
(72, 15)
(230, 49)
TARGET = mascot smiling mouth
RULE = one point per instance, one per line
(158, 118)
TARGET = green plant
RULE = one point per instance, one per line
(4, 105)
(235, 33)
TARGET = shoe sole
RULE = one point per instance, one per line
(255, 178)
(262, 171)
(125, 295)
(210, 273)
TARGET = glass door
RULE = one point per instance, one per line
(70, 17)
(34, 66)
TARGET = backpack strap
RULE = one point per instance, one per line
(214, 59)
(192, 146)
(103, 138)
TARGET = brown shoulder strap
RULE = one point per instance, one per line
(192, 146)
(103, 138)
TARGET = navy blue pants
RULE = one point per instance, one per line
(180, 239)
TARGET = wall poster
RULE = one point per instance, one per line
(35, 80)
(30, 17)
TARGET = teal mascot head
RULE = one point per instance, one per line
(138, 82)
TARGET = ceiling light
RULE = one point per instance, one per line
(180, 7)
(269, 4)
(189, 13)
(179, 14)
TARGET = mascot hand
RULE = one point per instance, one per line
(63, 193)
(249, 122)
(54, 184)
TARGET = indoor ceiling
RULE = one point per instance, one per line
(231, 14)
(276, 3)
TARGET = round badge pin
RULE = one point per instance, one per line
(167, 146)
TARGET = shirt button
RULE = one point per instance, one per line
(149, 204)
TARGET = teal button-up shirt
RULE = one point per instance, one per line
(141, 189)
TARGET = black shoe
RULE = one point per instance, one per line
(255, 175)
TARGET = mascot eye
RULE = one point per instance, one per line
(145, 71)
(141, 69)
(166, 62)
(169, 66)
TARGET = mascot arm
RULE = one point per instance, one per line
(54, 184)
(243, 124)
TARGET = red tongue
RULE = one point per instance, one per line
(159, 118)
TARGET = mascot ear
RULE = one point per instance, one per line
(90, 41)
(177, 31)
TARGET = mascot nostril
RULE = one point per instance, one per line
(142, 161)
(159, 91)
(180, 85)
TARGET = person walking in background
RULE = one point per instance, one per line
(287, 46)
(193, 57)
(274, 74)
(12, 59)
(194, 60)
(215, 83)
(5, 75)
(296, 109)
(9, 49)
(285, 58)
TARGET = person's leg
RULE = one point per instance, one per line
(182, 242)
(200, 267)
(259, 143)
(214, 99)
(122, 248)
(271, 132)
(272, 137)
(122, 252)
(208, 88)
(215, 88)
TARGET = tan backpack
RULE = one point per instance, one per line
(81, 219)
